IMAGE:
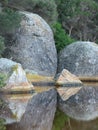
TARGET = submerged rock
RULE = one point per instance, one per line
(81, 106)
(80, 58)
(33, 45)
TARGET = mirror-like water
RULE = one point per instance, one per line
(61, 121)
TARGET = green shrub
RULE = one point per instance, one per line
(9, 20)
(2, 80)
(61, 38)
(59, 120)
(79, 18)
(2, 46)
(45, 8)
(2, 126)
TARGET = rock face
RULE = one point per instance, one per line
(40, 112)
(81, 106)
(15, 75)
(80, 58)
(33, 45)
(66, 78)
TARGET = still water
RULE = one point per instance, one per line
(63, 122)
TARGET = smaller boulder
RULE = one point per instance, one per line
(65, 78)
(80, 58)
(14, 75)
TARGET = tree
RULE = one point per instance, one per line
(2, 46)
(9, 20)
(79, 18)
(45, 8)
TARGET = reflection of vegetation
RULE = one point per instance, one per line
(2, 104)
(2, 80)
(59, 120)
(2, 126)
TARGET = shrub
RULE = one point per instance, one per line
(79, 18)
(59, 120)
(61, 38)
(45, 8)
(2, 80)
(2, 46)
(9, 20)
(2, 126)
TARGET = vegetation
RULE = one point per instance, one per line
(45, 8)
(2, 46)
(78, 20)
(2, 80)
(9, 20)
(59, 120)
(61, 38)
(2, 126)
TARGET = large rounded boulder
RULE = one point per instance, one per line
(80, 58)
(33, 45)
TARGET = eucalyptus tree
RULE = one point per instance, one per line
(79, 18)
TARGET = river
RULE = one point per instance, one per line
(61, 121)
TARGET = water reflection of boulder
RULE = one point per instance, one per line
(81, 106)
(12, 107)
(39, 113)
